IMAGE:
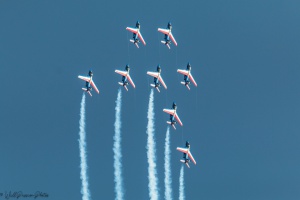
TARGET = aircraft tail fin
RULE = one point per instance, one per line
(187, 85)
(186, 163)
(136, 44)
(84, 89)
(168, 122)
(152, 85)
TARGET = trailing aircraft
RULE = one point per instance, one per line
(88, 83)
(187, 76)
(125, 76)
(187, 155)
(136, 34)
(173, 116)
(168, 35)
(157, 78)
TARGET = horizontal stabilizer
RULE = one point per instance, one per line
(84, 89)
(131, 41)
(169, 122)
(183, 161)
(164, 42)
(182, 82)
(152, 85)
(126, 88)
(120, 83)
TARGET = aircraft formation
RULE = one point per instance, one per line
(158, 81)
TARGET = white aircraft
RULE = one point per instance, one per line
(187, 155)
(157, 77)
(88, 83)
(136, 34)
(187, 75)
(173, 114)
(168, 35)
(125, 75)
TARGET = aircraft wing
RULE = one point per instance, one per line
(122, 73)
(94, 86)
(177, 119)
(133, 30)
(172, 38)
(183, 150)
(164, 31)
(182, 71)
(87, 79)
(130, 80)
(191, 157)
(169, 111)
(192, 79)
(154, 74)
(141, 38)
(162, 82)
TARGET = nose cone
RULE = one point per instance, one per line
(189, 67)
(127, 68)
(137, 24)
(187, 144)
(169, 25)
(158, 69)
(174, 106)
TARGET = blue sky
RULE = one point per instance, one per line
(242, 120)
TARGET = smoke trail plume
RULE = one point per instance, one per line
(168, 178)
(151, 150)
(181, 184)
(82, 147)
(118, 150)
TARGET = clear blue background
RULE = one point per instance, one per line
(242, 120)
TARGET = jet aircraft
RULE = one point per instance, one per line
(136, 34)
(187, 76)
(88, 83)
(125, 76)
(187, 155)
(168, 35)
(157, 77)
(173, 114)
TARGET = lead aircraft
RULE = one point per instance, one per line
(136, 34)
(168, 35)
(88, 83)
(157, 77)
(187, 76)
(125, 76)
(187, 155)
(173, 116)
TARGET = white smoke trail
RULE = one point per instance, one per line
(118, 151)
(168, 178)
(151, 150)
(82, 147)
(181, 184)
